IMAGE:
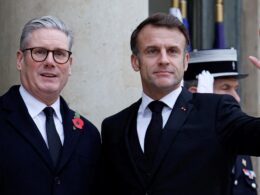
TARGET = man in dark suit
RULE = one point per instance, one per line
(216, 71)
(46, 148)
(200, 134)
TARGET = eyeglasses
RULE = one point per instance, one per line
(39, 54)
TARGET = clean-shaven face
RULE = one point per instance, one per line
(161, 60)
(227, 85)
(44, 80)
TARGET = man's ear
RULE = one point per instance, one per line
(192, 89)
(70, 64)
(135, 62)
(19, 59)
(186, 60)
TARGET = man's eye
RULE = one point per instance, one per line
(172, 51)
(60, 53)
(225, 87)
(40, 51)
(152, 51)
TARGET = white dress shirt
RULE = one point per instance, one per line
(144, 114)
(35, 109)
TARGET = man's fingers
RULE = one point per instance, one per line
(255, 61)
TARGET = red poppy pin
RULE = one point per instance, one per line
(78, 123)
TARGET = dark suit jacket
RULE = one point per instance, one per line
(25, 164)
(200, 140)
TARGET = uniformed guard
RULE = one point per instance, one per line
(215, 71)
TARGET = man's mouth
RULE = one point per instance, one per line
(50, 75)
(163, 72)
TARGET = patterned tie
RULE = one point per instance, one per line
(154, 130)
(53, 138)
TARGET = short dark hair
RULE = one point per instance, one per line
(159, 20)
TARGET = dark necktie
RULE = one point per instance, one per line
(154, 130)
(53, 138)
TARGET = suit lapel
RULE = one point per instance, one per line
(173, 126)
(71, 135)
(128, 127)
(18, 117)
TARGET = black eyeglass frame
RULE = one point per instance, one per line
(48, 51)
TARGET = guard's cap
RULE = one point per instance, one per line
(219, 62)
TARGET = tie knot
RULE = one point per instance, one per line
(48, 111)
(156, 106)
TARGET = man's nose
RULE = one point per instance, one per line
(236, 96)
(50, 58)
(164, 58)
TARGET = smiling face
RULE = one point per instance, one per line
(227, 85)
(44, 80)
(161, 60)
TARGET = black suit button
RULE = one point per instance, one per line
(57, 180)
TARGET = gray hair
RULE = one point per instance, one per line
(50, 22)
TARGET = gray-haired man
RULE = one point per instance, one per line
(46, 148)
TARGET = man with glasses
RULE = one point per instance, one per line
(46, 148)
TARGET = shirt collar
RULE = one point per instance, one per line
(169, 99)
(35, 106)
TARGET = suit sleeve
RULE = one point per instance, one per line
(237, 130)
(109, 179)
(1, 170)
(96, 155)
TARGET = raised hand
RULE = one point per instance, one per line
(205, 82)
(255, 61)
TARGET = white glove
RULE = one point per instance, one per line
(205, 82)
